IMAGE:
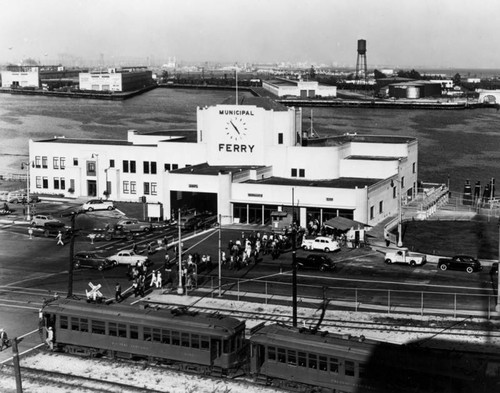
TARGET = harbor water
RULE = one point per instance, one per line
(453, 145)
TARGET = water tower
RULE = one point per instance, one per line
(361, 71)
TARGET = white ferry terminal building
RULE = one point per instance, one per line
(242, 162)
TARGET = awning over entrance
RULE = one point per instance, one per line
(344, 224)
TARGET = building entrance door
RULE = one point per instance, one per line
(91, 188)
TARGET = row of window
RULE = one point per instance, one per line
(57, 162)
(130, 187)
(300, 171)
(311, 360)
(134, 332)
(59, 183)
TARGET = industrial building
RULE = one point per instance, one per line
(119, 80)
(281, 87)
(22, 77)
(243, 161)
(415, 89)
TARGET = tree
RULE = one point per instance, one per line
(457, 79)
(312, 72)
(378, 74)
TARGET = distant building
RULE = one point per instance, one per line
(415, 89)
(298, 88)
(124, 79)
(23, 77)
(473, 80)
(488, 96)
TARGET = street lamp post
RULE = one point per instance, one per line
(27, 165)
(180, 289)
(400, 212)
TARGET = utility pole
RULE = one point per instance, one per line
(497, 308)
(220, 256)
(294, 265)
(180, 288)
(71, 253)
(17, 367)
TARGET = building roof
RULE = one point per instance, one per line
(343, 182)
(62, 139)
(348, 138)
(260, 102)
(190, 136)
(205, 169)
(372, 158)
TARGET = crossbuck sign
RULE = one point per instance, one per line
(94, 291)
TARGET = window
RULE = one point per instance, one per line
(146, 166)
(125, 187)
(271, 353)
(372, 212)
(125, 166)
(55, 162)
(63, 322)
(62, 162)
(313, 361)
(280, 138)
(72, 184)
(37, 162)
(122, 330)
(56, 183)
(38, 182)
(98, 327)
(157, 335)
(302, 359)
(292, 357)
(414, 167)
(146, 188)
(184, 339)
(394, 193)
(44, 162)
(111, 163)
(153, 189)
(91, 168)
(195, 341)
(165, 336)
(205, 343)
(381, 207)
(403, 182)
(132, 166)
(75, 161)
(134, 332)
(294, 172)
(281, 355)
(334, 365)
(302, 173)
(45, 182)
(176, 340)
(167, 167)
(349, 368)
(323, 363)
(153, 167)
(175, 166)
(146, 334)
(112, 329)
(133, 187)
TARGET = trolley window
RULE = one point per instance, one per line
(225, 346)
(302, 359)
(84, 325)
(349, 368)
(184, 339)
(112, 329)
(281, 355)
(323, 363)
(63, 322)
(134, 332)
(157, 335)
(122, 330)
(176, 338)
(292, 357)
(146, 334)
(98, 327)
(165, 336)
(205, 343)
(313, 361)
(334, 365)
(271, 353)
(195, 341)
(362, 371)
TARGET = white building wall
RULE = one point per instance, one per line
(21, 78)
(100, 81)
(374, 169)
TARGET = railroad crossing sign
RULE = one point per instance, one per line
(94, 292)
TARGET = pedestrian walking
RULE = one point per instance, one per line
(50, 338)
(59, 239)
(158, 279)
(135, 287)
(4, 340)
(118, 292)
(30, 232)
(153, 279)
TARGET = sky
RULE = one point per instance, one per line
(399, 33)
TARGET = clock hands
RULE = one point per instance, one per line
(236, 128)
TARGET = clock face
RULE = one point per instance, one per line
(236, 128)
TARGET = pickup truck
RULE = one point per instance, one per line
(405, 256)
(322, 243)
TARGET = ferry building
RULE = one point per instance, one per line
(242, 162)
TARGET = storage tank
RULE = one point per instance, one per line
(413, 92)
(361, 47)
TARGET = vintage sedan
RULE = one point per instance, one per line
(128, 257)
(91, 260)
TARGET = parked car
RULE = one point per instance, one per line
(91, 260)
(316, 262)
(21, 197)
(460, 262)
(323, 243)
(133, 225)
(97, 204)
(128, 257)
(42, 219)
